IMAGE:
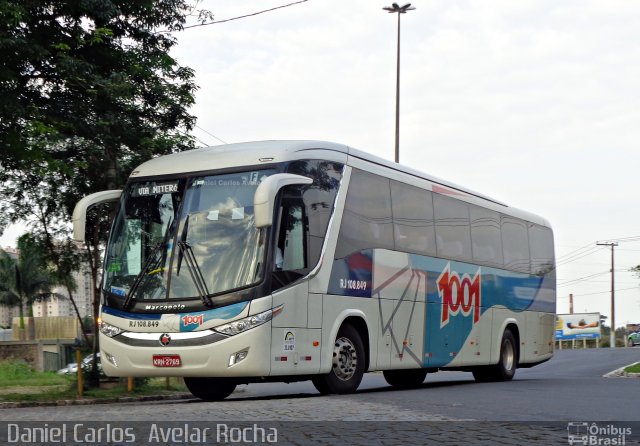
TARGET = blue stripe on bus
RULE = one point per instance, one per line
(193, 321)
(447, 324)
(135, 316)
(188, 321)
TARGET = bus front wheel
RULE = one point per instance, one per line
(505, 369)
(210, 389)
(347, 366)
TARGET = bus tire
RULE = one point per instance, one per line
(347, 364)
(405, 379)
(506, 367)
(210, 389)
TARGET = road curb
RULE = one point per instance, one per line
(92, 401)
(620, 373)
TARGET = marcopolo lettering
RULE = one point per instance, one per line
(165, 307)
(459, 294)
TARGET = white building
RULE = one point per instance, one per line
(60, 304)
(7, 313)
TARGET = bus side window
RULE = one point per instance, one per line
(515, 244)
(541, 248)
(367, 220)
(453, 231)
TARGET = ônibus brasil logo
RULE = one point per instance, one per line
(459, 294)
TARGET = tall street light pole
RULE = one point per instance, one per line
(612, 338)
(394, 8)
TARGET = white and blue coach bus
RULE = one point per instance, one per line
(309, 260)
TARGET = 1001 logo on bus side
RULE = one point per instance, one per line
(459, 294)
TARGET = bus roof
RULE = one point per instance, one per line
(274, 151)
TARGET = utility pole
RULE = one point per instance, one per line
(570, 303)
(613, 293)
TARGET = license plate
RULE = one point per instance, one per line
(167, 361)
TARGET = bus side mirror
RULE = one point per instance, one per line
(266, 192)
(80, 211)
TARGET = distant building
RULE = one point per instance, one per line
(7, 313)
(59, 304)
(632, 327)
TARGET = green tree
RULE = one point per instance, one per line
(90, 83)
(89, 90)
(25, 280)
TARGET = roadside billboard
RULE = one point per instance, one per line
(577, 326)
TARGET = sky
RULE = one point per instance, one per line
(534, 103)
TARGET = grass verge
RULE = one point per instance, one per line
(19, 382)
(635, 368)
(21, 374)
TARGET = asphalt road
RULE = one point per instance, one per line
(540, 406)
(569, 387)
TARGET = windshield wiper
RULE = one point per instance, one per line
(196, 272)
(183, 239)
(186, 252)
(151, 261)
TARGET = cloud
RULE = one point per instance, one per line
(533, 102)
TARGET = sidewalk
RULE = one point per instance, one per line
(90, 401)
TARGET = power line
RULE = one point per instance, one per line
(575, 251)
(617, 281)
(211, 134)
(204, 144)
(579, 256)
(590, 247)
(633, 238)
(568, 282)
(245, 16)
(602, 292)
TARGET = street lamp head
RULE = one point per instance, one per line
(399, 9)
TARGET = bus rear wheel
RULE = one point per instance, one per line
(210, 389)
(405, 379)
(506, 367)
(347, 367)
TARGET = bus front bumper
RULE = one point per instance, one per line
(167, 354)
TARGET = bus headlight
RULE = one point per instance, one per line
(241, 325)
(109, 330)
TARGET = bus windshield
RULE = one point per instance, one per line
(188, 238)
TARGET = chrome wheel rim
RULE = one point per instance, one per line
(345, 359)
(508, 355)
